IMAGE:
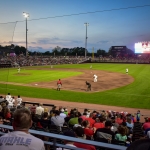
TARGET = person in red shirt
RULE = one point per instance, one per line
(88, 131)
(59, 84)
(118, 119)
(146, 125)
(99, 123)
(91, 120)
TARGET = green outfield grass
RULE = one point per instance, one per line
(135, 95)
(28, 75)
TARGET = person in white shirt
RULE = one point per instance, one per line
(39, 110)
(95, 77)
(19, 100)
(91, 67)
(18, 70)
(127, 70)
(62, 114)
(8, 97)
(20, 138)
(11, 102)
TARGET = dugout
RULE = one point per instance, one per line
(118, 51)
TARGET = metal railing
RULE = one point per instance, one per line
(62, 137)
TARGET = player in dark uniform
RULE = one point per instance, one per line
(88, 86)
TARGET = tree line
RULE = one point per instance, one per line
(57, 51)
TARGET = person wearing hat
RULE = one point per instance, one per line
(105, 134)
(62, 114)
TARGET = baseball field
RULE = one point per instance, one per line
(114, 86)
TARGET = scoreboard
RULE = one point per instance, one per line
(142, 47)
(118, 48)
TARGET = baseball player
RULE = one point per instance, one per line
(127, 70)
(95, 77)
(91, 67)
(59, 84)
(18, 70)
(88, 86)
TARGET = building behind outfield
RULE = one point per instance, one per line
(118, 51)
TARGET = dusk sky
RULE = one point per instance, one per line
(110, 24)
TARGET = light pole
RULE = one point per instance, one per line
(86, 24)
(26, 15)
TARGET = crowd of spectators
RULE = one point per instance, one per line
(142, 58)
(22, 60)
(104, 126)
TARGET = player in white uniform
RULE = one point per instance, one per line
(11, 102)
(95, 77)
(20, 139)
(8, 97)
(19, 100)
(18, 70)
(91, 67)
(127, 70)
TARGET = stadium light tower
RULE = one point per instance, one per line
(86, 24)
(26, 15)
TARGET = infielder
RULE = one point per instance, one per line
(127, 70)
(95, 77)
(88, 86)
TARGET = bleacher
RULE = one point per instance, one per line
(52, 135)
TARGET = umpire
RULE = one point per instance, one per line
(88, 86)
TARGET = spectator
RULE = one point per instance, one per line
(67, 142)
(79, 131)
(39, 110)
(121, 135)
(62, 114)
(137, 131)
(20, 137)
(45, 121)
(105, 134)
(57, 119)
(118, 119)
(88, 131)
(66, 111)
(73, 120)
(80, 121)
(7, 114)
(84, 116)
(99, 122)
(146, 125)
(33, 109)
(91, 120)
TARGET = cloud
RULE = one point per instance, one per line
(103, 42)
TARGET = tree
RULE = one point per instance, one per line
(56, 50)
(101, 52)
